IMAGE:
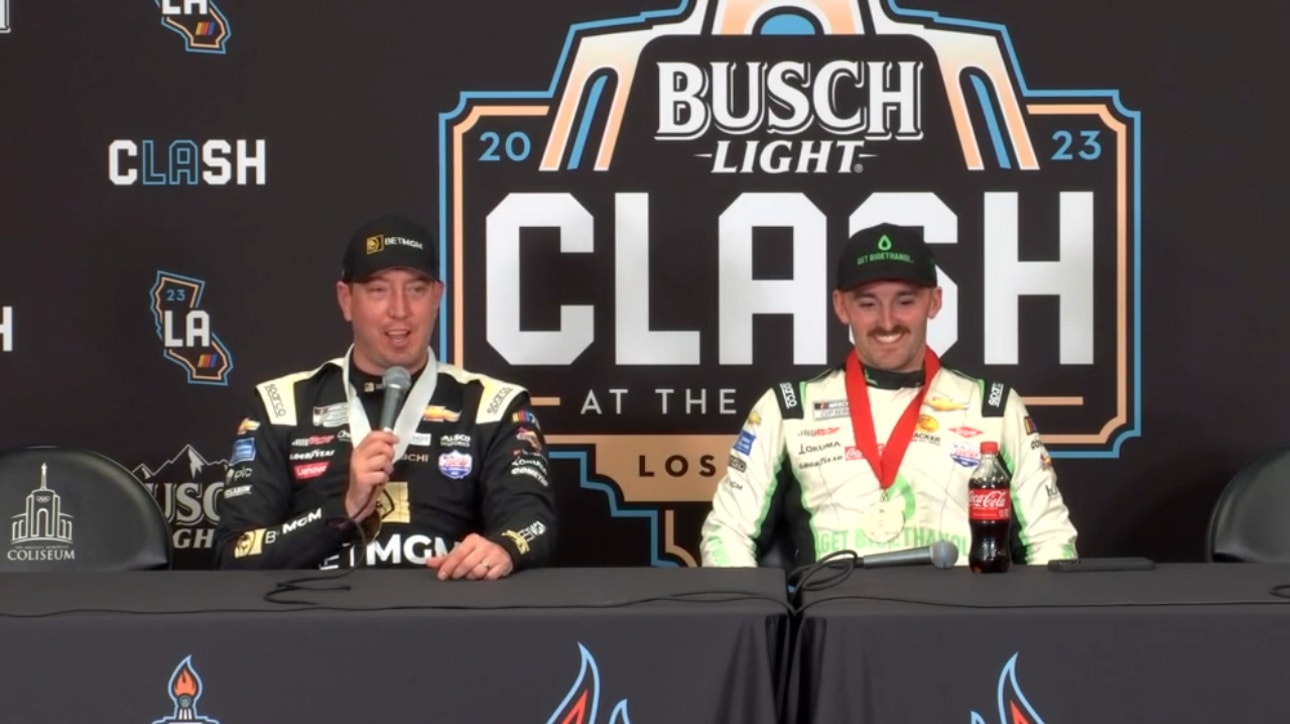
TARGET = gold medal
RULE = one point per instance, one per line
(883, 521)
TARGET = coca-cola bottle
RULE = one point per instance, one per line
(990, 513)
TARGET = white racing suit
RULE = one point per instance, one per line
(795, 469)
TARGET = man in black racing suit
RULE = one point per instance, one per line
(460, 483)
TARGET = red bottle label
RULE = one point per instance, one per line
(989, 504)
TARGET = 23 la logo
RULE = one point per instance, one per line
(184, 329)
(200, 23)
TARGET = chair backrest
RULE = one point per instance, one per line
(1251, 519)
(70, 509)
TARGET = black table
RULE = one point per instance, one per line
(1182, 643)
(398, 646)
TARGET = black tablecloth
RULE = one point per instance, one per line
(1182, 643)
(397, 646)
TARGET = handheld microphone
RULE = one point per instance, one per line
(838, 566)
(396, 381)
(941, 554)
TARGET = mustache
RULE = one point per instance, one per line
(893, 330)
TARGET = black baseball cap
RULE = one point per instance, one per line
(886, 252)
(390, 242)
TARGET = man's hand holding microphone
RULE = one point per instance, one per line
(372, 462)
(370, 468)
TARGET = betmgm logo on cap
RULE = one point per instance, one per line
(390, 242)
(376, 244)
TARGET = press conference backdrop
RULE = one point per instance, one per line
(639, 203)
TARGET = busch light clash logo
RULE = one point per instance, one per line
(688, 178)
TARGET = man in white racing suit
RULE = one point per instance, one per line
(875, 454)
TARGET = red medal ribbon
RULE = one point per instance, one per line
(884, 466)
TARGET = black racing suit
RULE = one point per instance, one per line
(476, 464)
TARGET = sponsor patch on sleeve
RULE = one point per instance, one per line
(530, 437)
(525, 417)
(530, 467)
(745, 442)
(243, 451)
(251, 543)
(522, 538)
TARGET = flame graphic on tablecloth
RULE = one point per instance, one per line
(185, 688)
(583, 700)
(1014, 708)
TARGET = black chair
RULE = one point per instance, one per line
(69, 509)
(1251, 520)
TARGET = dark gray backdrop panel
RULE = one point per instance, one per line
(348, 98)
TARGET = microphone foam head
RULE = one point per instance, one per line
(397, 377)
(944, 554)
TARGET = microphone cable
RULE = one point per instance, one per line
(823, 574)
(830, 571)
(292, 585)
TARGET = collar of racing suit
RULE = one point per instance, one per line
(368, 384)
(888, 380)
